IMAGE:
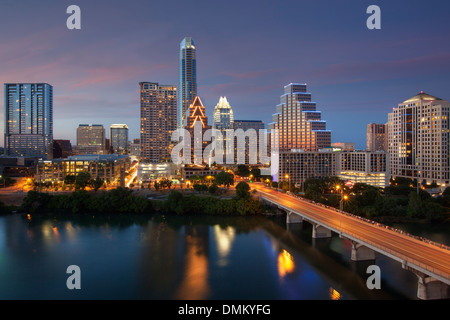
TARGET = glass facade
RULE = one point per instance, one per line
(188, 79)
(118, 135)
(418, 140)
(28, 120)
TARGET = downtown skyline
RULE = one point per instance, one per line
(355, 75)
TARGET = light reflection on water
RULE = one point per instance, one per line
(171, 257)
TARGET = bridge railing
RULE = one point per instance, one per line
(401, 256)
(428, 241)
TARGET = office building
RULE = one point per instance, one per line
(109, 167)
(376, 137)
(366, 167)
(158, 121)
(223, 115)
(222, 124)
(90, 139)
(28, 120)
(62, 149)
(252, 143)
(187, 87)
(118, 135)
(299, 124)
(418, 139)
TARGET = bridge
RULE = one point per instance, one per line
(430, 261)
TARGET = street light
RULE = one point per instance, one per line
(287, 177)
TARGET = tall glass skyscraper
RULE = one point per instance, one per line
(28, 120)
(118, 135)
(187, 88)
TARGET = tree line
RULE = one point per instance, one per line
(123, 200)
(401, 199)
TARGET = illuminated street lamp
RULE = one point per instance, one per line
(287, 177)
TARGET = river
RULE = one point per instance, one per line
(176, 257)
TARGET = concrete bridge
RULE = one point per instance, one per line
(428, 260)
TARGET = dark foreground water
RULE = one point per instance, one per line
(171, 257)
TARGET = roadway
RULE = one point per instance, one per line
(398, 245)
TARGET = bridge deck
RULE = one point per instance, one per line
(418, 254)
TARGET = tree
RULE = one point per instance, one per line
(242, 170)
(242, 190)
(213, 188)
(224, 178)
(69, 179)
(97, 183)
(82, 180)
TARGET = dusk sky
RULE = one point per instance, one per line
(246, 50)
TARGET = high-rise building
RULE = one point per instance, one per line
(62, 149)
(187, 88)
(223, 115)
(118, 135)
(299, 124)
(222, 122)
(419, 139)
(90, 139)
(376, 137)
(197, 120)
(158, 120)
(28, 120)
(251, 144)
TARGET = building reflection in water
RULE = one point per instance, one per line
(224, 240)
(334, 295)
(286, 263)
(194, 284)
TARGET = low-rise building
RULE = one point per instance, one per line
(356, 166)
(109, 167)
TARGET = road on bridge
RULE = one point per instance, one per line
(428, 256)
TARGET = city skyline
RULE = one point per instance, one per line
(356, 75)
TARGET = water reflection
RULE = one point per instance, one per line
(194, 285)
(334, 295)
(173, 257)
(224, 240)
(285, 263)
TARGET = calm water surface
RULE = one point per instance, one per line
(172, 257)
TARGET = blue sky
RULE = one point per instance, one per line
(246, 50)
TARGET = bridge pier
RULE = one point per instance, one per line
(361, 253)
(293, 218)
(429, 288)
(320, 231)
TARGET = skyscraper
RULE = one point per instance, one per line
(197, 124)
(298, 122)
(28, 120)
(419, 139)
(376, 137)
(90, 139)
(187, 88)
(223, 115)
(252, 144)
(118, 135)
(158, 120)
(222, 122)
